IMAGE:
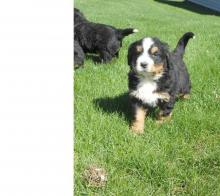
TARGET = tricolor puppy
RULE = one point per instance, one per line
(157, 78)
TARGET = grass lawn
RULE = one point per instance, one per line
(180, 157)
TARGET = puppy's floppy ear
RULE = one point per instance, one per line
(166, 53)
(134, 50)
(165, 46)
(168, 60)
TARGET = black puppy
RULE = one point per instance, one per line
(79, 55)
(157, 77)
(99, 38)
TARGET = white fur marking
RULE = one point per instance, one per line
(145, 57)
(146, 92)
(135, 30)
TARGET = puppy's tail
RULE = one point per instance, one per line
(125, 32)
(180, 48)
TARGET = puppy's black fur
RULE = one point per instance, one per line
(153, 67)
(79, 55)
(98, 38)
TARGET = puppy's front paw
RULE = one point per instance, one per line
(185, 96)
(161, 119)
(137, 128)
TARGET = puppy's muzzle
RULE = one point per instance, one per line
(144, 65)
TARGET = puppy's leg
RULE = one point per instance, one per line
(105, 56)
(163, 117)
(185, 91)
(184, 96)
(138, 114)
(166, 110)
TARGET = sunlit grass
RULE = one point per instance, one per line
(180, 157)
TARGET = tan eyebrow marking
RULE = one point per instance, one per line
(139, 48)
(154, 49)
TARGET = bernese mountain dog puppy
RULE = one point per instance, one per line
(157, 78)
(79, 55)
(97, 38)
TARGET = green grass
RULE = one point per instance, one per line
(181, 157)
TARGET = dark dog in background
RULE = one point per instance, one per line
(79, 55)
(157, 77)
(97, 38)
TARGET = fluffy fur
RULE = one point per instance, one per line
(157, 77)
(97, 38)
(79, 55)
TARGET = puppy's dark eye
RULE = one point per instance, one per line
(154, 51)
(155, 54)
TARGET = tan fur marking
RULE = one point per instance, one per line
(139, 48)
(184, 96)
(137, 125)
(154, 49)
(157, 68)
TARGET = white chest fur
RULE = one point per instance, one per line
(146, 92)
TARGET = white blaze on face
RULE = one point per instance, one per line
(145, 58)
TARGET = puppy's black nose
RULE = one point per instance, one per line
(144, 65)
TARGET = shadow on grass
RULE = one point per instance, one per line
(190, 6)
(120, 105)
